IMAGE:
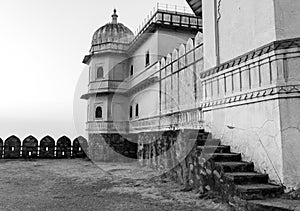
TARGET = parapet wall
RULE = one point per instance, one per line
(101, 147)
(47, 148)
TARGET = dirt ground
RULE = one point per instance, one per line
(78, 184)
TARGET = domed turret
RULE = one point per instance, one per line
(113, 32)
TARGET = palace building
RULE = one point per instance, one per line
(230, 68)
(124, 88)
(124, 94)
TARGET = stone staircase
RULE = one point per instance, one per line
(201, 163)
(235, 178)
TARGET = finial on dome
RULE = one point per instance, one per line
(114, 17)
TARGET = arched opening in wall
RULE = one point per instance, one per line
(131, 70)
(12, 147)
(147, 59)
(130, 112)
(98, 112)
(80, 147)
(47, 147)
(63, 147)
(30, 147)
(137, 110)
(100, 73)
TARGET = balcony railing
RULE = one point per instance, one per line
(108, 126)
(188, 119)
(106, 85)
(147, 124)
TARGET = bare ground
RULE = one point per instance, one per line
(78, 184)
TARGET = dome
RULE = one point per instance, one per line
(113, 32)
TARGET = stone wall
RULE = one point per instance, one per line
(112, 147)
(175, 155)
(31, 148)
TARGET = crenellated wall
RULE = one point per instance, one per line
(179, 76)
(46, 148)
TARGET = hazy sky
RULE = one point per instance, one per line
(41, 48)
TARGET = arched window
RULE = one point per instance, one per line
(147, 58)
(131, 70)
(100, 72)
(130, 112)
(98, 113)
(137, 110)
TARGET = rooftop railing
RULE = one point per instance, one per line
(169, 15)
(163, 8)
(175, 8)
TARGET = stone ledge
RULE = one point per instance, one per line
(254, 96)
(274, 204)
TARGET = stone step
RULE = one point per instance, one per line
(224, 157)
(214, 149)
(246, 177)
(208, 142)
(234, 166)
(239, 177)
(273, 204)
(258, 191)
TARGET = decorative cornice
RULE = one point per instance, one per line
(273, 46)
(273, 91)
